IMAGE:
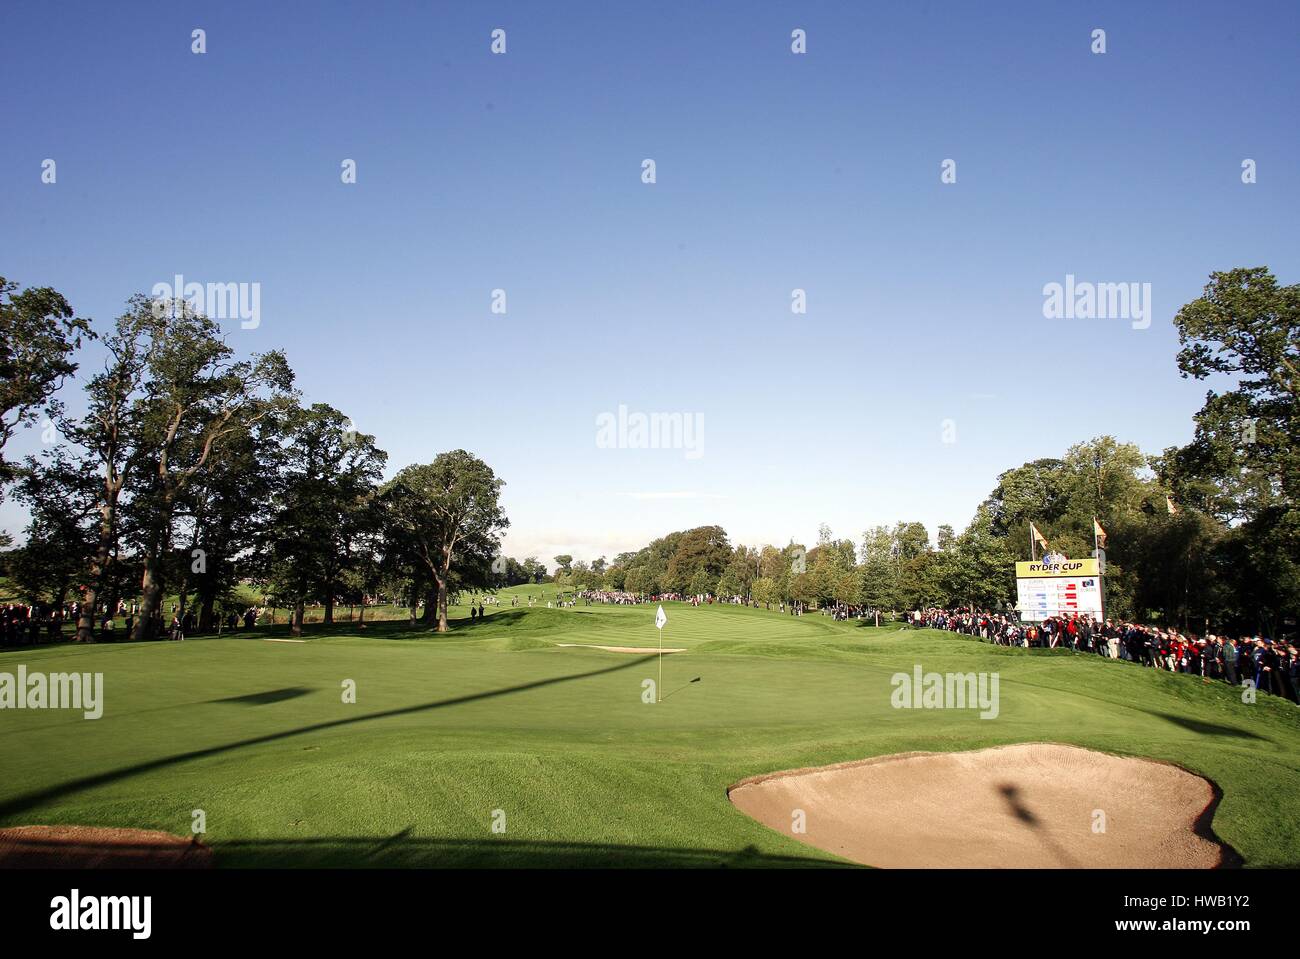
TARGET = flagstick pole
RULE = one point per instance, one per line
(660, 687)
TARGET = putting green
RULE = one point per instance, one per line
(494, 723)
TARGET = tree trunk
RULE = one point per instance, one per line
(98, 572)
(183, 595)
(329, 604)
(207, 608)
(151, 587)
(442, 603)
(430, 606)
(296, 628)
(152, 582)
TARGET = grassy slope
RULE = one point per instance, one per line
(494, 716)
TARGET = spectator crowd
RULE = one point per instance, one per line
(1273, 666)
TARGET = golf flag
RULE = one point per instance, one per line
(1036, 536)
(1169, 505)
(660, 618)
(1098, 532)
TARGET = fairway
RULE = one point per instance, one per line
(496, 722)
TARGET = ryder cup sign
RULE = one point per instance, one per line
(1058, 588)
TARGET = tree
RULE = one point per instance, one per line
(699, 558)
(1243, 463)
(38, 335)
(197, 396)
(323, 505)
(534, 570)
(62, 499)
(109, 436)
(1249, 327)
(229, 519)
(439, 509)
(980, 570)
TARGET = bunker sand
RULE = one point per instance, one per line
(621, 649)
(1036, 805)
(90, 847)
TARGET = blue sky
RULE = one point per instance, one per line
(775, 171)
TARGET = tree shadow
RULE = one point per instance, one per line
(404, 629)
(1207, 729)
(405, 850)
(266, 698)
(27, 801)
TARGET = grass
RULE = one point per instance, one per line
(494, 716)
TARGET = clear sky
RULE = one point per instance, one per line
(775, 171)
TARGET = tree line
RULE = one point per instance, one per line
(189, 470)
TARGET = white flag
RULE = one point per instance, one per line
(660, 618)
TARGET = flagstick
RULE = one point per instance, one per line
(660, 687)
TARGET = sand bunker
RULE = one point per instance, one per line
(1035, 805)
(621, 649)
(89, 847)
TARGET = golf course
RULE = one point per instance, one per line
(504, 742)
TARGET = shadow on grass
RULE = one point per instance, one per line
(27, 801)
(406, 851)
(1207, 729)
(266, 698)
(382, 628)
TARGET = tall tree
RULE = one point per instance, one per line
(108, 434)
(1243, 464)
(38, 335)
(197, 396)
(62, 498)
(323, 505)
(438, 510)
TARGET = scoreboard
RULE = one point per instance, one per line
(1055, 589)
